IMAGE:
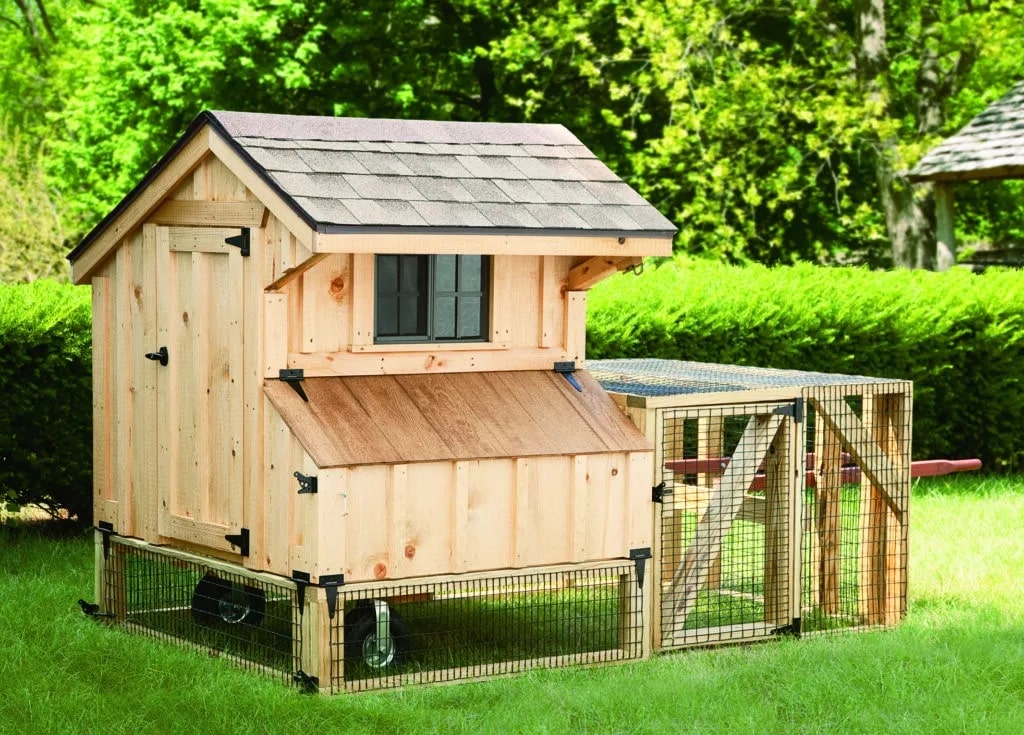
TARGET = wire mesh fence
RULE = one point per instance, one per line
(473, 628)
(725, 523)
(252, 622)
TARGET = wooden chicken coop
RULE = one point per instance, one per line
(342, 427)
(782, 497)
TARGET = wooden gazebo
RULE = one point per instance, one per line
(991, 146)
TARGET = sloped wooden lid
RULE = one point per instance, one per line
(390, 419)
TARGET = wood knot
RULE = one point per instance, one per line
(410, 551)
(615, 471)
(337, 288)
(380, 570)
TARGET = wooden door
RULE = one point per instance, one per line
(200, 397)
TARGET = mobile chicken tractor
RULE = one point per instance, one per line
(343, 433)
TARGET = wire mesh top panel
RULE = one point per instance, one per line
(653, 377)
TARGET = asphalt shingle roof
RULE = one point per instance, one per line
(348, 174)
(990, 146)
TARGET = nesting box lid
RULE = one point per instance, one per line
(388, 419)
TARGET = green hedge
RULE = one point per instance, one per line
(957, 335)
(46, 409)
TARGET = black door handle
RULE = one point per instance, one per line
(160, 355)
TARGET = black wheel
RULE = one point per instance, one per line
(361, 643)
(220, 600)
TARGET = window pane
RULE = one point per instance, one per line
(414, 272)
(444, 317)
(412, 316)
(444, 273)
(469, 317)
(387, 273)
(387, 316)
(471, 273)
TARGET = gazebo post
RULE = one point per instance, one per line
(945, 229)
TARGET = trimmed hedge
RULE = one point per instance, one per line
(46, 410)
(959, 336)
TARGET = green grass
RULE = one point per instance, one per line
(955, 665)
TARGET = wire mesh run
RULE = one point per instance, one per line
(252, 622)
(855, 518)
(726, 523)
(472, 628)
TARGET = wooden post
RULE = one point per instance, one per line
(945, 228)
(828, 469)
(883, 532)
(317, 654)
(710, 433)
(776, 530)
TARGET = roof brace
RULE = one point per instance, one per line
(294, 378)
(567, 369)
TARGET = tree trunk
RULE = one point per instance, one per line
(909, 210)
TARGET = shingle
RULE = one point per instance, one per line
(650, 219)
(369, 186)
(334, 162)
(377, 146)
(433, 165)
(614, 192)
(421, 148)
(327, 211)
(508, 215)
(557, 151)
(330, 145)
(451, 214)
(591, 169)
(382, 163)
(275, 159)
(547, 168)
(391, 212)
(267, 143)
(520, 191)
(556, 217)
(483, 190)
(563, 192)
(326, 186)
(490, 167)
(605, 217)
(453, 149)
(441, 190)
(485, 149)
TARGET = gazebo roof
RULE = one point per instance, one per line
(991, 146)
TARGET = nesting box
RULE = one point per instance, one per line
(339, 361)
(782, 497)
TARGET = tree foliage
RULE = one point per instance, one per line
(768, 130)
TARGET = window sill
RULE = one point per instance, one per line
(430, 347)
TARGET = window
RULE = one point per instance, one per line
(431, 298)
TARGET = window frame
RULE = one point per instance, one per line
(426, 313)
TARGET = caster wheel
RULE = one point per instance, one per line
(362, 643)
(219, 600)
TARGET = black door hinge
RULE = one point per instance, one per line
(792, 629)
(240, 241)
(659, 491)
(240, 539)
(301, 580)
(307, 483)
(107, 529)
(795, 410)
(308, 684)
(566, 369)
(294, 378)
(330, 583)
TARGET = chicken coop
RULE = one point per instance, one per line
(343, 433)
(781, 497)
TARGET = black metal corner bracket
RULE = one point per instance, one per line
(93, 610)
(659, 491)
(566, 369)
(307, 483)
(107, 529)
(240, 241)
(294, 378)
(792, 629)
(240, 539)
(301, 580)
(330, 584)
(639, 558)
(308, 684)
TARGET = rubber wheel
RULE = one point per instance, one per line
(217, 600)
(361, 638)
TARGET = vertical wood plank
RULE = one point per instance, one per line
(575, 338)
(275, 343)
(167, 434)
(776, 529)
(501, 299)
(252, 425)
(551, 300)
(828, 497)
(363, 299)
(144, 383)
(122, 383)
(104, 492)
(579, 540)
(460, 522)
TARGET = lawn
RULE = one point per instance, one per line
(956, 664)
